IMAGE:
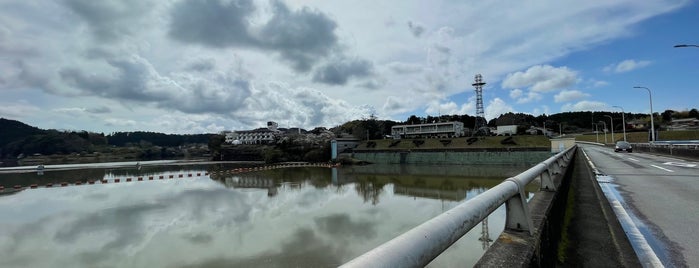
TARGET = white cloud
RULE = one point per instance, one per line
(541, 78)
(584, 106)
(626, 66)
(18, 110)
(516, 93)
(531, 96)
(544, 109)
(569, 95)
(597, 83)
(496, 107)
(437, 108)
(133, 58)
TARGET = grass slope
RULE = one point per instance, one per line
(524, 141)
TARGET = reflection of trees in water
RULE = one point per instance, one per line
(369, 189)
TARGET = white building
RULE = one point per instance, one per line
(430, 130)
(255, 136)
(507, 130)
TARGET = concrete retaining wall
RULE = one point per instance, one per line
(519, 249)
(452, 157)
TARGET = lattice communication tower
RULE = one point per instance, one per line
(480, 112)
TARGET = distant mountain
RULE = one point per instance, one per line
(12, 130)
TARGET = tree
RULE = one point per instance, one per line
(693, 113)
(667, 115)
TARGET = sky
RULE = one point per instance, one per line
(205, 66)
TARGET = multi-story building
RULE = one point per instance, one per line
(429, 130)
(255, 136)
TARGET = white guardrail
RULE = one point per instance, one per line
(419, 246)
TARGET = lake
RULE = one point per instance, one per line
(286, 217)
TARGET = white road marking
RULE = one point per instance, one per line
(678, 164)
(633, 159)
(661, 168)
(639, 243)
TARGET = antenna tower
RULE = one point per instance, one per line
(480, 112)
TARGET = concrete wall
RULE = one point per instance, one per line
(519, 249)
(452, 157)
(561, 144)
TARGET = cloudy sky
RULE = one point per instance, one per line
(194, 66)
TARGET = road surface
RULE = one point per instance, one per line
(661, 196)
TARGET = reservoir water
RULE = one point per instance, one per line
(289, 217)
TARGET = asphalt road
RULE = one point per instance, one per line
(662, 196)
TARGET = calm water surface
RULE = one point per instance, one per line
(292, 217)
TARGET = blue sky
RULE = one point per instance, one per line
(186, 66)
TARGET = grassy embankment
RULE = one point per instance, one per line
(641, 137)
(523, 141)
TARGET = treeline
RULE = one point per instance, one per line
(567, 122)
(17, 138)
(154, 138)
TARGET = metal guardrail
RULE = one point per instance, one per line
(419, 246)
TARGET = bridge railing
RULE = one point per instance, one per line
(420, 245)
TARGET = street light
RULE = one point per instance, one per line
(612, 126)
(623, 121)
(683, 45)
(560, 129)
(652, 125)
(605, 131)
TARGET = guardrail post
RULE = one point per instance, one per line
(556, 167)
(518, 217)
(546, 181)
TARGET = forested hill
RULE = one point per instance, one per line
(19, 138)
(159, 139)
(11, 130)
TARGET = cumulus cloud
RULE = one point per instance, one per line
(542, 78)
(298, 107)
(496, 107)
(598, 83)
(531, 96)
(300, 37)
(338, 72)
(516, 93)
(569, 95)
(584, 106)
(134, 79)
(626, 66)
(450, 107)
(416, 28)
(111, 19)
(521, 97)
(244, 62)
